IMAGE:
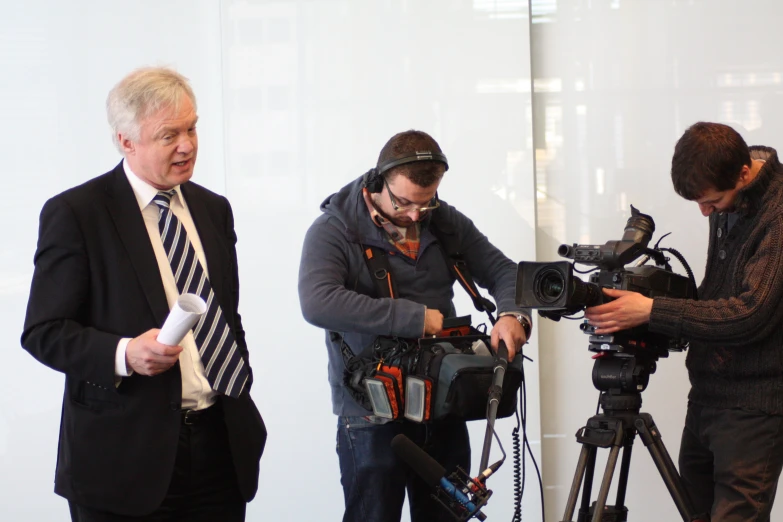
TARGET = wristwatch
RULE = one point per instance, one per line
(523, 320)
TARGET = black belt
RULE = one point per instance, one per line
(190, 417)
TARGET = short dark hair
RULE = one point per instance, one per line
(422, 173)
(708, 155)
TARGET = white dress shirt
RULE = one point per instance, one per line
(197, 393)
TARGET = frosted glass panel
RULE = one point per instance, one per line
(617, 82)
(313, 90)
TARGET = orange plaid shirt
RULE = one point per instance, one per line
(406, 239)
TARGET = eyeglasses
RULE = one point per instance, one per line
(432, 205)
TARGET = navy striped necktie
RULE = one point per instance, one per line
(226, 370)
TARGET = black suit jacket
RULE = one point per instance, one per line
(96, 280)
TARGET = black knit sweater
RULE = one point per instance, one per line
(735, 329)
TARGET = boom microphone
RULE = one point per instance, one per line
(434, 474)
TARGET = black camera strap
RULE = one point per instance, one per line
(378, 263)
(380, 269)
(448, 239)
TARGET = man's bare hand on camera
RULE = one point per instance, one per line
(628, 309)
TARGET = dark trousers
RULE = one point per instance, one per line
(203, 486)
(375, 480)
(730, 461)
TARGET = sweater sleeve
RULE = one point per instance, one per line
(748, 317)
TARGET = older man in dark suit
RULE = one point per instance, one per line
(148, 431)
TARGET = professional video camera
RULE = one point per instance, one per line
(556, 292)
(625, 359)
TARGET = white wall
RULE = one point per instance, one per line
(617, 83)
(295, 99)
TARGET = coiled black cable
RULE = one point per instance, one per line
(519, 460)
(518, 488)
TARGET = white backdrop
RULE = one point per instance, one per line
(295, 99)
(617, 83)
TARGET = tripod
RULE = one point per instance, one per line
(616, 429)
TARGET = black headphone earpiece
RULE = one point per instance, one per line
(373, 181)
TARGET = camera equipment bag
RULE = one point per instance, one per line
(461, 379)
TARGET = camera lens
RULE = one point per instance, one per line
(586, 294)
(549, 285)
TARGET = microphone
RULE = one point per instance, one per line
(434, 474)
(484, 475)
(496, 390)
(495, 394)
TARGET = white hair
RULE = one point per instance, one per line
(140, 94)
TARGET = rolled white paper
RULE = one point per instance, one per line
(186, 312)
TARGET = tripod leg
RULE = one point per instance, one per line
(651, 437)
(587, 489)
(625, 467)
(600, 502)
(587, 454)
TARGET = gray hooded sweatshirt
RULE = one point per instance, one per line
(337, 293)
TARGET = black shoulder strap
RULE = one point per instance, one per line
(459, 269)
(378, 264)
(380, 270)
(345, 350)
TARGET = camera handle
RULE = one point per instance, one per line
(616, 431)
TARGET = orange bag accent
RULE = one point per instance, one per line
(427, 398)
(389, 382)
(457, 331)
(397, 374)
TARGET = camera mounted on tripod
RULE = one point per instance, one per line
(556, 292)
(624, 360)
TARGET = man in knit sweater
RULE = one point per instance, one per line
(731, 453)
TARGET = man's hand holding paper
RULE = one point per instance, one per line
(155, 351)
(146, 356)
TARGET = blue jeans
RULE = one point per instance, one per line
(730, 461)
(375, 480)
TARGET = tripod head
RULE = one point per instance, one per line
(621, 379)
(623, 373)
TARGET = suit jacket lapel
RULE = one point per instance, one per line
(124, 210)
(209, 235)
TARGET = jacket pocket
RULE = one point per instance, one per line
(93, 397)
